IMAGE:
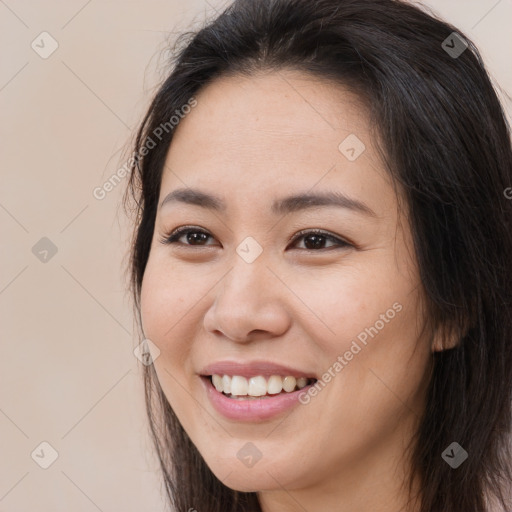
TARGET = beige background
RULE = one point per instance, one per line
(68, 375)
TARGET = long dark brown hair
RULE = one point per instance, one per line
(446, 142)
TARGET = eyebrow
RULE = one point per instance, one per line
(281, 206)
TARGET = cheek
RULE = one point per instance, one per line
(383, 366)
(167, 297)
(340, 304)
(372, 317)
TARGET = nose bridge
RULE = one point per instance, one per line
(247, 282)
(247, 299)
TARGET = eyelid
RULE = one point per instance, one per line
(178, 232)
(317, 231)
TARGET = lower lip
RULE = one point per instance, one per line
(251, 409)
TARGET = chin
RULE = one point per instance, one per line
(250, 481)
(263, 476)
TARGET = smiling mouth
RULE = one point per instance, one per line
(237, 387)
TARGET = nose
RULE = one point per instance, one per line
(249, 303)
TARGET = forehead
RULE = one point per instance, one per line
(272, 133)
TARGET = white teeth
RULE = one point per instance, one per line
(217, 382)
(289, 384)
(274, 385)
(258, 385)
(301, 382)
(239, 385)
(226, 384)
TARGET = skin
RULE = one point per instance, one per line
(251, 141)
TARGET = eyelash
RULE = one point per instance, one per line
(175, 235)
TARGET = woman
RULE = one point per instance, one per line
(321, 264)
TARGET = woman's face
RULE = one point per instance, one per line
(243, 290)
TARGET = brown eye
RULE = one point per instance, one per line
(191, 236)
(316, 239)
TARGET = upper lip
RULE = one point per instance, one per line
(252, 369)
